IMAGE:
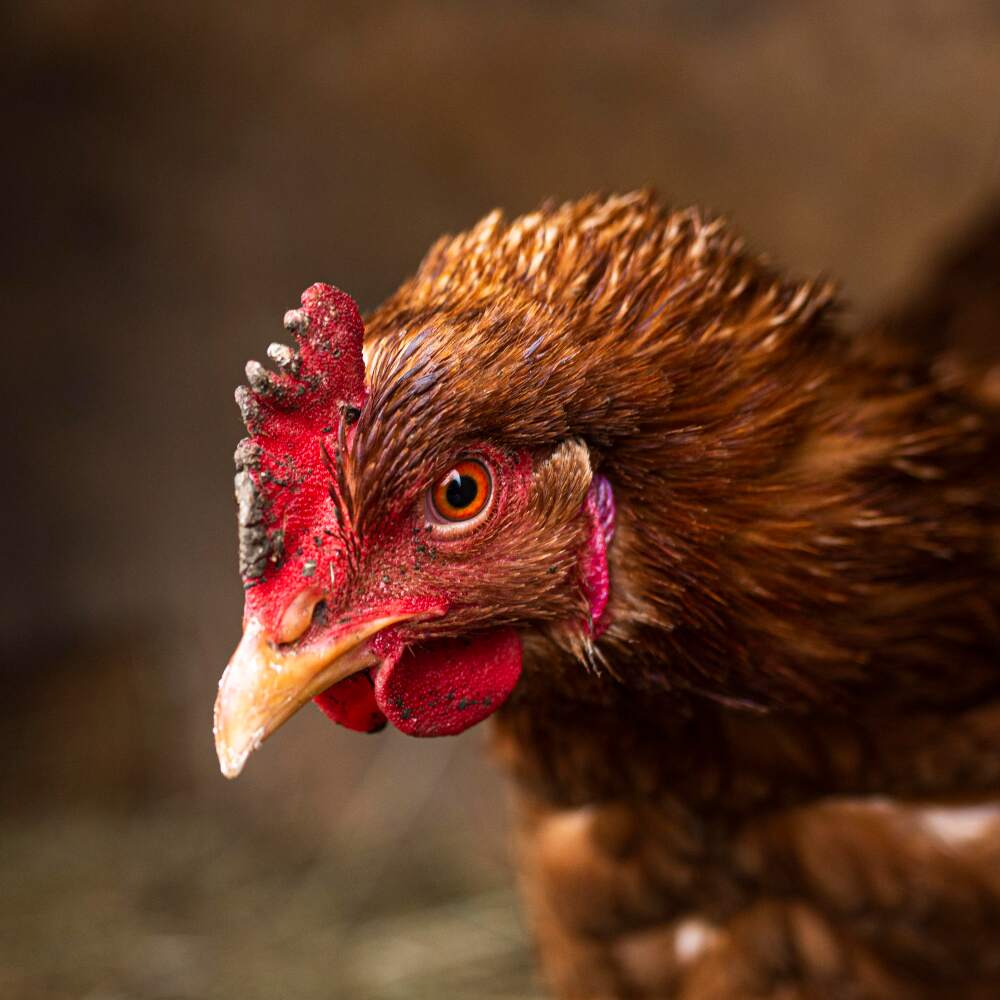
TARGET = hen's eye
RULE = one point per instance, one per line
(462, 494)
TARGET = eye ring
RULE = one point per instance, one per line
(461, 499)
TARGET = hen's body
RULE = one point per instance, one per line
(724, 856)
(780, 774)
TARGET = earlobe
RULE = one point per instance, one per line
(600, 510)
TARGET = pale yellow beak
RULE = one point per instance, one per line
(265, 684)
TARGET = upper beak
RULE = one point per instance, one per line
(265, 684)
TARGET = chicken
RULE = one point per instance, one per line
(725, 577)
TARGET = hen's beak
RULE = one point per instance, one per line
(265, 684)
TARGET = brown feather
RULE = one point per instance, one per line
(803, 650)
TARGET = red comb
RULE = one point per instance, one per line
(299, 418)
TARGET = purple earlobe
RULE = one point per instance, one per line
(600, 509)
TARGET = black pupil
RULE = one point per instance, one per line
(461, 491)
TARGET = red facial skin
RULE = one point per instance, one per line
(436, 686)
(425, 685)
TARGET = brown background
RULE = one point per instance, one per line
(174, 174)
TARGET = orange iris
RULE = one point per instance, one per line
(463, 493)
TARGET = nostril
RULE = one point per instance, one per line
(321, 614)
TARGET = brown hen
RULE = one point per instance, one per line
(729, 573)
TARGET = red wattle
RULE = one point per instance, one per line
(351, 703)
(442, 688)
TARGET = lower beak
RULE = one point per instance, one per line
(265, 684)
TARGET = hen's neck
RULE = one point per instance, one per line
(644, 748)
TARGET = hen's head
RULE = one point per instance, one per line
(418, 498)
(397, 533)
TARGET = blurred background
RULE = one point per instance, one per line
(175, 175)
